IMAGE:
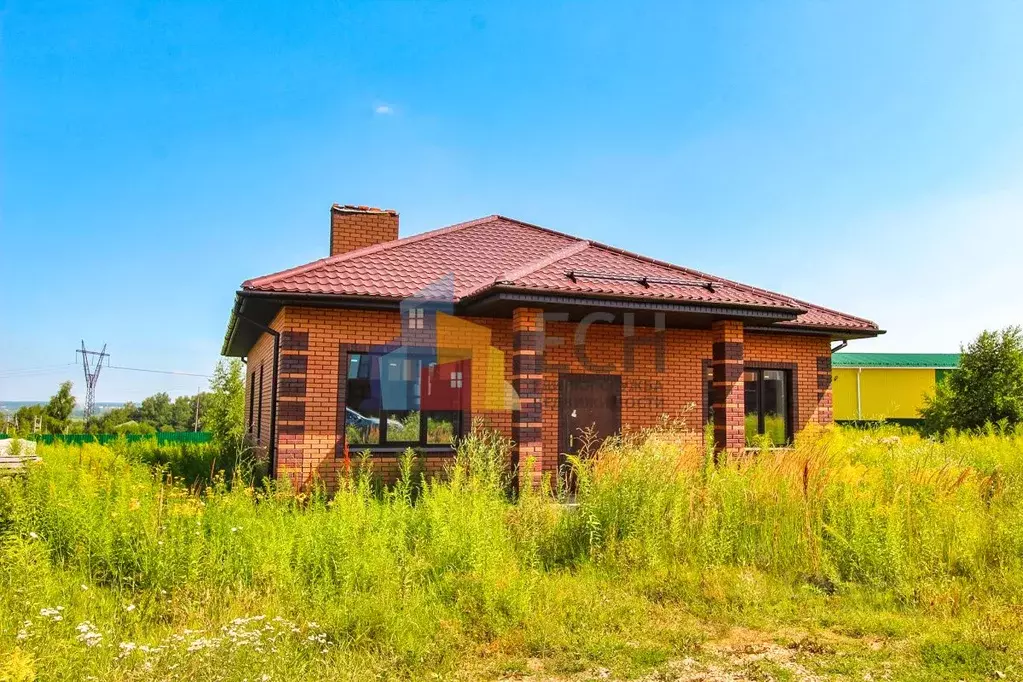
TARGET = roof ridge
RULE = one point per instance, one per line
(541, 263)
(541, 228)
(663, 263)
(691, 271)
(531, 266)
(373, 248)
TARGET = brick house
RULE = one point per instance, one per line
(392, 343)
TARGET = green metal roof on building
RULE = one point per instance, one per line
(901, 360)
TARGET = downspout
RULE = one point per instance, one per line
(272, 447)
(859, 399)
(835, 349)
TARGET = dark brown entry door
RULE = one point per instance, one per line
(587, 401)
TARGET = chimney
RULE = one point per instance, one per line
(355, 227)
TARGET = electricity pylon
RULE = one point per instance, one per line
(92, 363)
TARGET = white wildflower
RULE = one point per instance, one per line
(88, 634)
(33, 535)
(203, 643)
(52, 614)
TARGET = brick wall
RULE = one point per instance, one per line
(355, 227)
(309, 410)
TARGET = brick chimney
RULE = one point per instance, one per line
(355, 227)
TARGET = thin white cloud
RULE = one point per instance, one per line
(383, 109)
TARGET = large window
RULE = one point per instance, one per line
(403, 398)
(768, 404)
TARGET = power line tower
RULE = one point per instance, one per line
(92, 363)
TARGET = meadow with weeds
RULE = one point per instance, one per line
(854, 555)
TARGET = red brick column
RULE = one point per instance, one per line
(291, 407)
(728, 402)
(527, 380)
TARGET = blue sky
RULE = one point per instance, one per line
(866, 156)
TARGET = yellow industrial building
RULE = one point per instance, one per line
(888, 386)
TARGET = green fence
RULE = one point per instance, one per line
(103, 438)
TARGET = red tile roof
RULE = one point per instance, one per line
(498, 253)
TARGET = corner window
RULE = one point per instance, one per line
(767, 394)
(404, 399)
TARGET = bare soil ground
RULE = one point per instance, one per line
(746, 655)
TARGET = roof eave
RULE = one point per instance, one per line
(232, 323)
(785, 313)
(765, 314)
(275, 300)
(835, 332)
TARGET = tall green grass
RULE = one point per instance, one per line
(111, 568)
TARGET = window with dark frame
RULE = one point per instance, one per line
(404, 398)
(259, 412)
(768, 398)
(252, 398)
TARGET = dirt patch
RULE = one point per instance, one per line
(741, 655)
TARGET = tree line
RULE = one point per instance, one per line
(220, 410)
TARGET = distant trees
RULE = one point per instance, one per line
(53, 417)
(986, 388)
(224, 414)
(220, 411)
(61, 405)
(155, 413)
(27, 416)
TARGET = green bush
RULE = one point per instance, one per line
(987, 387)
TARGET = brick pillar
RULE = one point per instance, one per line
(291, 404)
(527, 380)
(728, 402)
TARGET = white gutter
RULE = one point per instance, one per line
(887, 367)
(859, 396)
